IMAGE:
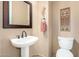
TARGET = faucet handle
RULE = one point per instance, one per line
(18, 36)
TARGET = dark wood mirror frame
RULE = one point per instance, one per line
(6, 16)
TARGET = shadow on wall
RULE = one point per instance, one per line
(75, 49)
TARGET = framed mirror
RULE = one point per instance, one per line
(17, 14)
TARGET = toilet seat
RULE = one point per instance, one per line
(64, 53)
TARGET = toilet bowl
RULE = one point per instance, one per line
(65, 44)
(64, 53)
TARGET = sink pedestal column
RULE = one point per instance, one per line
(25, 51)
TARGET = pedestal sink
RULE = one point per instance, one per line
(24, 44)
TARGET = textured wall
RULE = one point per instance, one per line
(74, 22)
(6, 49)
(40, 48)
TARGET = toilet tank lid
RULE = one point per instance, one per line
(70, 38)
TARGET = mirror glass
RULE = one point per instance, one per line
(19, 14)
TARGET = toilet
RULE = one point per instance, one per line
(65, 44)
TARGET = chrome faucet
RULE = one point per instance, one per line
(23, 34)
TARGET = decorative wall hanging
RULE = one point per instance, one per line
(65, 19)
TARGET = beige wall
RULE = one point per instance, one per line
(48, 42)
(40, 48)
(51, 32)
(6, 49)
(74, 21)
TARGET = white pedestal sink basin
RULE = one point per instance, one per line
(24, 44)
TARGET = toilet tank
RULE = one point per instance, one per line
(65, 42)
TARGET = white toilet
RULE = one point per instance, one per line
(65, 44)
